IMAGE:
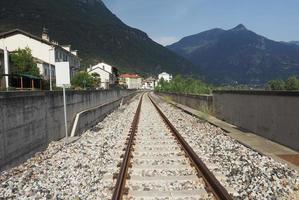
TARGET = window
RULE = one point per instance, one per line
(53, 70)
(46, 69)
(65, 58)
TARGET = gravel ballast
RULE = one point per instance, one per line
(74, 171)
(84, 168)
(243, 171)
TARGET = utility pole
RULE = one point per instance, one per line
(65, 113)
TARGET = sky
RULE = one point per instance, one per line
(167, 21)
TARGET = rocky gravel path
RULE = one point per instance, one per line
(74, 171)
(243, 171)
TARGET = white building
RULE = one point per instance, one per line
(47, 53)
(165, 76)
(149, 83)
(130, 81)
(107, 73)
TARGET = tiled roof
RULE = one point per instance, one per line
(19, 31)
(129, 76)
(16, 31)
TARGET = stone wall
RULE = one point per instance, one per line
(30, 120)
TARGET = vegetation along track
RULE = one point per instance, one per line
(159, 164)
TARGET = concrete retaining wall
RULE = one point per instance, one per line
(273, 115)
(198, 102)
(30, 120)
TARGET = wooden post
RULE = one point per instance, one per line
(22, 83)
(32, 84)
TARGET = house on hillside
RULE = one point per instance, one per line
(107, 73)
(167, 77)
(149, 83)
(47, 53)
(130, 81)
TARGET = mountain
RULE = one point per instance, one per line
(239, 56)
(92, 29)
(294, 42)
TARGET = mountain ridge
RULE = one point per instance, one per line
(95, 31)
(238, 55)
(294, 42)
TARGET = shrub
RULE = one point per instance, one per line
(24, 63)
(83, 80)
(292, 83)
(183, 85)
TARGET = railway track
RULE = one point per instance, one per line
(159, 164)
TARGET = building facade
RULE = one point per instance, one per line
(165, 76)
(107, 73)
(149, 83)
(46, 53)
(130, 81)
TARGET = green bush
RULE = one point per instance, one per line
(24, 63)
(183, 85)
(292, 83)
(276, 85)
(83, 80)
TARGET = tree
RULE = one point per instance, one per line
(292, 83)
(276, 85)
(83, 80)
(96, 80)
(24, 63)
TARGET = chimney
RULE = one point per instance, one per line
(45, 35)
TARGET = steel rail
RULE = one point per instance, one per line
(213, 184)
(122, 176)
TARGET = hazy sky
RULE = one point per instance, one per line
(167, 21)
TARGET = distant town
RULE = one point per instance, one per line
(58, 65)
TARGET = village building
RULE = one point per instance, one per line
(166, 77)
(46, 53)
(149, 83)
(130, 81)
(107, 74)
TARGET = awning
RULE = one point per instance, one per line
(27, 76)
